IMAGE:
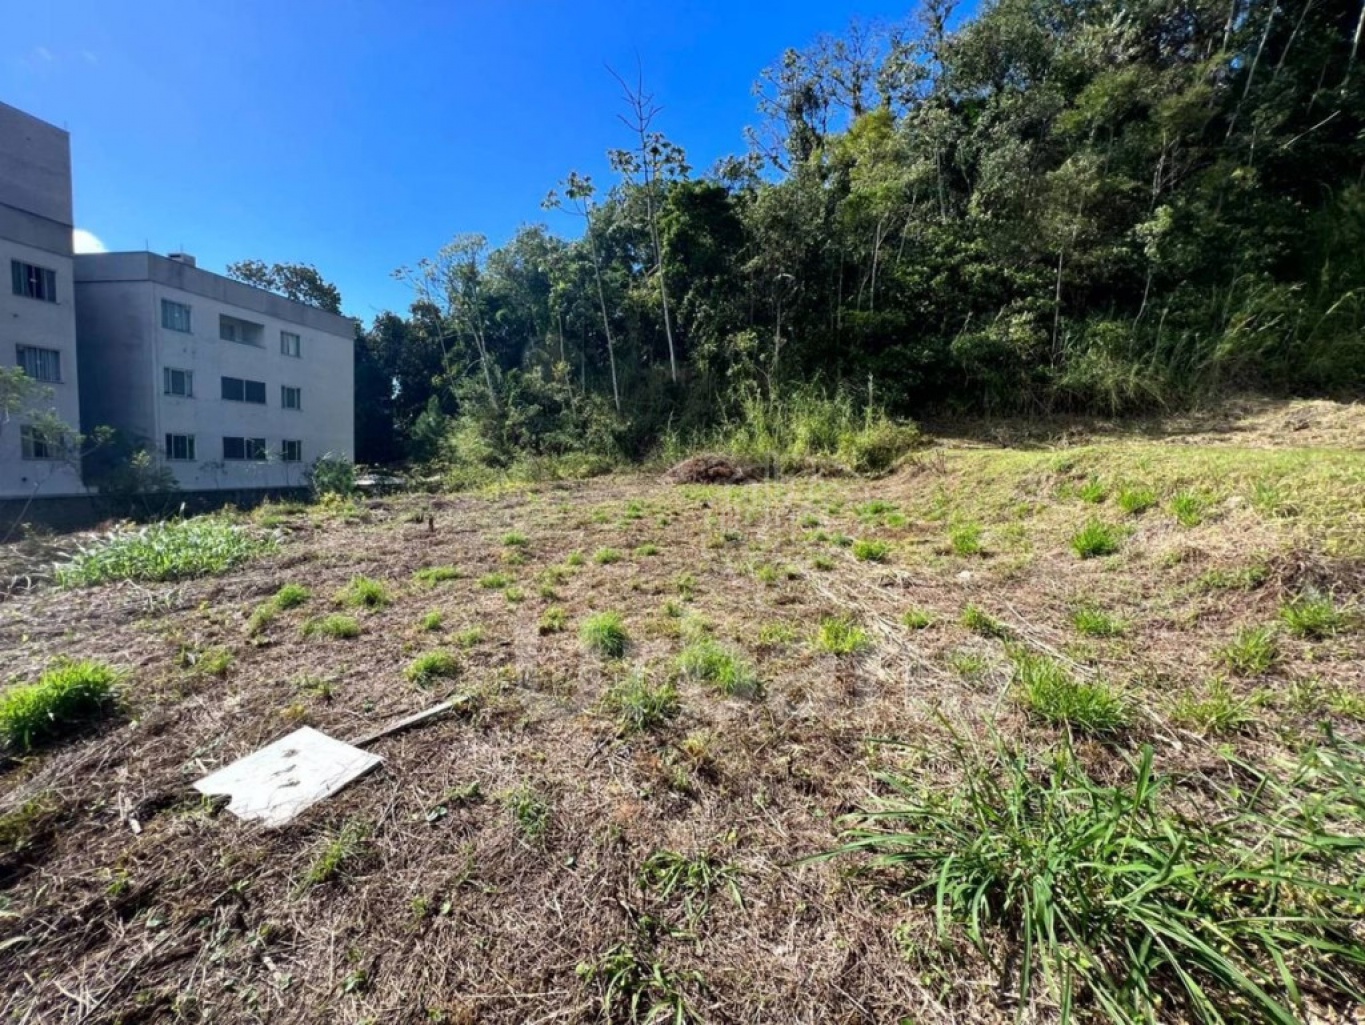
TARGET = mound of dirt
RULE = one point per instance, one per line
(710, 469)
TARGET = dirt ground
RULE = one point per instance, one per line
(497, 851)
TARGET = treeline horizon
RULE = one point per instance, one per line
(1056, 206)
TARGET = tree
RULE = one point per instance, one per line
(301, 282)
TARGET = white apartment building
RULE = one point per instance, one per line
(37, 306)
(233, 387)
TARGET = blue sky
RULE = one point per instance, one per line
(360, 135)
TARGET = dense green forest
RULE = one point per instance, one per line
(1055, 205)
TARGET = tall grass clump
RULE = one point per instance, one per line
(638, 705)
(605, 633)
(431, 666)
(841, 636)
(1049, 691)
(64, 698)
(1095, 539)
(711, 663)
(1313, 617)
(173, 550)
(364, 593)
(1119, 906)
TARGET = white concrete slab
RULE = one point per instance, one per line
(278, 782)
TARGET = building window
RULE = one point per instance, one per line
(291, 398)
(291, 451)
(180, 447)
(175, 316)
(40, 364)
(178, 382)
(38, 444)
(237, 449)
(237, 390)
(290, 345)
(33, 282)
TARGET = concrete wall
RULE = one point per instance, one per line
(35, 167)
(124, 346)
(35, 228)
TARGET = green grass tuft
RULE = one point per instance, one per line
(494, 581)
(1313, 616)
(364, 593)
(1252, 652)
(638, 705)
(1093, 491)
(1049, 691)
(64, 699)
(341, 848)
(515, 539)
(709, 662)
(431, 666)
(553, 620)
(841, 636)
(965, 539)
(1216, 711)
(606, 556)
(918, 619)
(646, 550)
(978, 621)
(433, 621)
(1092, 622)
(605, 633)
(1095, 539)
(871, 551)
(174, 550)
(1188, 508)
(335, 626)
(431, 575)
(1136, 500)
(1118, 906)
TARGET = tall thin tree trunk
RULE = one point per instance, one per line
(606, 321)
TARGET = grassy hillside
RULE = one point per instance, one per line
(678, 695)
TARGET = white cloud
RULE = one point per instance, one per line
(87, 242)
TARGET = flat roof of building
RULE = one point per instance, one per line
(105, 268)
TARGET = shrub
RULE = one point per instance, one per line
(709, 662)
(639, 705)
(1117, 900)
(1312, 616)
(1095, 539)
(331, 475)
(871, 551)
(1051, 693)
(1252, 652)
(64, 698)
(364, 592)
(841, 636)
(1094, 623)
(431, 666)
(174, 550)
(335, 626)
(605, 634)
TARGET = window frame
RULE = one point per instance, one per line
(297, 450)
(297, 390)
(170, 304)
(166, 377)
(246, 390)
(20, 349)
(297, 347)
(32, 438)
(254, 450)
(189, 447)
(33, 281)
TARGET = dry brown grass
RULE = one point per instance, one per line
(451, 908)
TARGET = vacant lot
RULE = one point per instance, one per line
(613, 826)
